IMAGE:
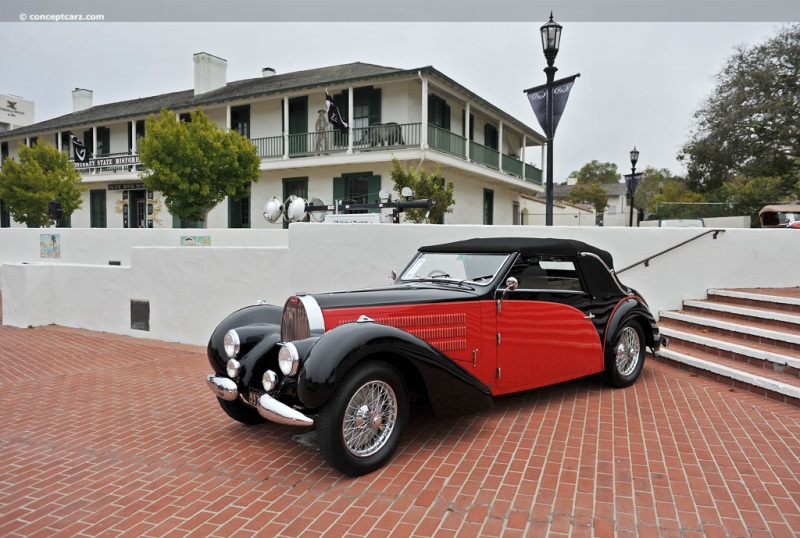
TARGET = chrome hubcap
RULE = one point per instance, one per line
(627, 352)
(369, 418)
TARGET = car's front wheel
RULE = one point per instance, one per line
(625, 358)
(360, 428)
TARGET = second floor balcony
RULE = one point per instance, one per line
(378, 137)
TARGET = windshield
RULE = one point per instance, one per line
(476, 268)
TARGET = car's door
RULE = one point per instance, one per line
(545, 333)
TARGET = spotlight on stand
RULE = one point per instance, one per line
(273, 210)
(294, 209)
(317, 210)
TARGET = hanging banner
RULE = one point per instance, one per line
(632, 183)
(538, 99)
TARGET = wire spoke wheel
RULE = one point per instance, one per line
(360, 427)
(628, 351)
(370, 418)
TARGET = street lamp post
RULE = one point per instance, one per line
(633, 185)
(551, 38)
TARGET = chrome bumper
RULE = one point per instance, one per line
(268, 407)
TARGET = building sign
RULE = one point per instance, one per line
(121, 161)
(16, 111)
(50, 245)
(126, 187)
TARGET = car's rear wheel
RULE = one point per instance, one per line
(241, 412)
(625, 358)
(360, 428)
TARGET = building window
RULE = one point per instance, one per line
(464, 125)
(438, 112)
(488, 206)
(366, 106)
(515, 217)
(32, 141)
(97, 208)
(358, 188)
(186, 116)
(297, 186)
(103, 141)
(490, 138)
(240, 120)
(239, 212)
(139, 134)
(3, 152)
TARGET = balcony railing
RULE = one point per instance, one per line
(377, 137)
(484, 155)
(445, 141)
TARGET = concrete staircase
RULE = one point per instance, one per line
(749, 339)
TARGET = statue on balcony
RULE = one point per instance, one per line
(321, 126)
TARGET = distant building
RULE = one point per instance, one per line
(420, 116)
(617, 212)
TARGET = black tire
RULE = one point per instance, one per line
(241, 412)
(374, 391)
(625, 357)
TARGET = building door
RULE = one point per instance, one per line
(137, 207)
(297, 186)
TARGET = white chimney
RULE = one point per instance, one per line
(209, 73)
(81, 99)
(267, 72)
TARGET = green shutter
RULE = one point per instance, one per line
(375, 106)
(338, 188)
(88, 141)
(130, 136)
(374, 187)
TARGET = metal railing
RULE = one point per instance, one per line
(512, 166)
(646, 261)
(271, 146)
(446, 141)
(484, 155)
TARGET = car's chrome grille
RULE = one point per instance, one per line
(294, 323)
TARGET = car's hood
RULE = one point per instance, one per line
(401, 294)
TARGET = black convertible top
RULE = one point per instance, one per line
(524, 245)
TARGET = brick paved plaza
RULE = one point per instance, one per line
(105, 435)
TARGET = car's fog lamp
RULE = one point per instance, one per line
(231, 343)
(288, 359)
(269, 380)
(233, 368)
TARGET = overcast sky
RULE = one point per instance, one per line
(640, 82)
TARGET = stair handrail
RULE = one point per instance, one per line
(646, 261)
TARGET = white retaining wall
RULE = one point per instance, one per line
(189, 289)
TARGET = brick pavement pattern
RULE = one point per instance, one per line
(105, 435)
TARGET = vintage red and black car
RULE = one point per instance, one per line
(464, 322)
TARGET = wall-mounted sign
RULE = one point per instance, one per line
(126, 187)
(195, 240)
(16, 111)
(108, 162)
(50, 245)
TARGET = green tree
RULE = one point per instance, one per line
(596, 171)
(676, 201)
(424, 185)
(42, 174)
(591, 193)
(748, 196)
(195, 164)
(651, 185)
(750, 125)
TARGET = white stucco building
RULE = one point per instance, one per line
(428, 120)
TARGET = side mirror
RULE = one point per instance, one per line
(511, 284)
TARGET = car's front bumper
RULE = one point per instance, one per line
(268, 407)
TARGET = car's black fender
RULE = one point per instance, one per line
(629, 309)
(259, 328)
(450, 389)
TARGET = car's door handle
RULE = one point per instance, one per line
(589, 316)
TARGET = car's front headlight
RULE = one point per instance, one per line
(231, 343)
(288, 359)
